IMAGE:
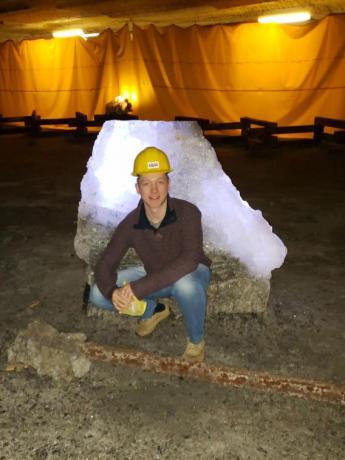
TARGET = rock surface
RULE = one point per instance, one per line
(230, 224)
(51, 353)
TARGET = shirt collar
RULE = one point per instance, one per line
(143, 222)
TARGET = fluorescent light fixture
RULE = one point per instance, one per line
(73, 33)
(68, 33)
(94, 34)
(285, 18)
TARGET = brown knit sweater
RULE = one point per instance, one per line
(167, 253)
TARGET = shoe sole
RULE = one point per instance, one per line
(162, 316)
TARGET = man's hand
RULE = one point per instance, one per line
(122, 297)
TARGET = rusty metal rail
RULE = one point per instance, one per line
(306, 389)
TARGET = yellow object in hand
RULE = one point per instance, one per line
(135, 308)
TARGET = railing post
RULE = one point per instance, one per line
(81, 123)
(245, 127)
(318, 130)
(33, 123)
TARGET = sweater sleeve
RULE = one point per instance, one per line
(186, 262)
(107, 265)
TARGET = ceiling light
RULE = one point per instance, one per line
(286, 18)
(68, 33)
(94, 34)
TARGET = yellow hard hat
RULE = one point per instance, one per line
(151, 160)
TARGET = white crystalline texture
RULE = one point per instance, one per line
(229, 223)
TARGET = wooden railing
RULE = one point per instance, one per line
(251, 131)
(34, 123)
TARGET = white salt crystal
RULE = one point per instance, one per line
(229, 223)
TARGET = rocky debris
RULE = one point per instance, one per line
(50, 352)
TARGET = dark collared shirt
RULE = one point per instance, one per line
(168, 252)
(144, 223)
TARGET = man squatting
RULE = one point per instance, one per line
(166, 234)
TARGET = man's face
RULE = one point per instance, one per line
(153, 189)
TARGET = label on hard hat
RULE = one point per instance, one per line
(153, 164)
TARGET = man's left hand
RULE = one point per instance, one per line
(122, 297)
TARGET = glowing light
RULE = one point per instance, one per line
(285, 18)
(130, 95)
(68, 33)
(134, 97)
(73, 33)
(120, 99)
(94, 34)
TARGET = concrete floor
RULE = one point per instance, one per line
(122, 413)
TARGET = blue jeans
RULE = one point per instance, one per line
(189, 293)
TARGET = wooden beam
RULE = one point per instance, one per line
(330, 122)
(215, 126)
(293, 129)
(13, 119)
(247, 121)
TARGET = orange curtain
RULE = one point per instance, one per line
(287, 74)
(58, 77)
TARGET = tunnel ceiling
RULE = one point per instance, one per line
(38, 18)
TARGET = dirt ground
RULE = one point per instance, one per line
(123, 413)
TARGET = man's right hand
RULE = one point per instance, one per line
(122, 297)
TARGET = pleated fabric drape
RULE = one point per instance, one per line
(287, 74)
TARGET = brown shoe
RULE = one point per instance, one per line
(147, 326)
(194, 352)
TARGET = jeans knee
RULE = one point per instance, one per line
(186, 287)
(130, 274)
(95, 294)
(98, 299)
